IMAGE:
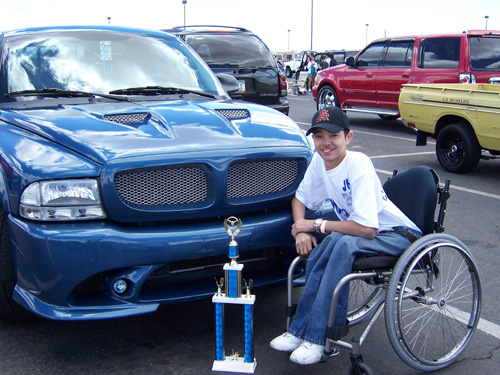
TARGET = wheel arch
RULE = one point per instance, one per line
(4, 192)
(451, 119)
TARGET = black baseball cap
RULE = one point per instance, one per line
(332, 119)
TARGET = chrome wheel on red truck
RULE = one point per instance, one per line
(457, 148)
(327, 97)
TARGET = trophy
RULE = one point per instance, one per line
(232, 295)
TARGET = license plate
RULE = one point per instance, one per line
(241, 84)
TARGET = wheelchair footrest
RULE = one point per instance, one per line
(335, 333)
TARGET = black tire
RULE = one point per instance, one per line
(327, 97)
(433, 302)
(457, 148)
(388, 117)
(365, 370)
(10, 310)
(288, 72)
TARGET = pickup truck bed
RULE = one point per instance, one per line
(463, 118)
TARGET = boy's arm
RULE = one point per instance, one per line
(305, 242)
(302, 225)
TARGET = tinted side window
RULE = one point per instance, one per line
(440, 53)
(399, 53)
(484, 53)
(371, 56)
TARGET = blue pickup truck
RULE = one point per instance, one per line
(121, 154)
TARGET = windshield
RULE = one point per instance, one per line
(485, 53)
(239, 49)
(103, 61)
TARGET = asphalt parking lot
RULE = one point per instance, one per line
(180, 339)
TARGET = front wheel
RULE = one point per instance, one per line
(363, 370)
(457, 148)
(288, 72)
(10, 310)
(327, 97)
(388, 117)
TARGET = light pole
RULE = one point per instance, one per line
(367, 33)
(184, 2)
(486, 18)
(312, 20)
(289, 39)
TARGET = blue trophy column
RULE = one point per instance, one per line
(248, 333)
(219, 331)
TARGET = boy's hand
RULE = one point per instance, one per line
(302, 226)
(305, 243)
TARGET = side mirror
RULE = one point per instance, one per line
(349, 61)
(229, 83)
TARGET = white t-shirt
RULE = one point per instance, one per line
(354, 190)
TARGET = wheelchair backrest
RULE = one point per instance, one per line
(415, 192)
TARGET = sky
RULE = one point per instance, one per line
(282, 24)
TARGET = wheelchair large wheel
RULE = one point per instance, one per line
(433, 302)
(364, 298)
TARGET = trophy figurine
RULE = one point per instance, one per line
(232, 282)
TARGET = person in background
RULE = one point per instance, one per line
(312, 68)
(323, 64)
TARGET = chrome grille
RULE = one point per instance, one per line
(257, 178)
(128, 118)
(167, 187)
(234, 114)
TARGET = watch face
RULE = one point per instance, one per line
(317, 224)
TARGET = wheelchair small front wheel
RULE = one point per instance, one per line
(433, 302)
(361, 370)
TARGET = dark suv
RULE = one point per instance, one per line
(371, 81)
(245, 56)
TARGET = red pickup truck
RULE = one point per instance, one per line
(371, 81)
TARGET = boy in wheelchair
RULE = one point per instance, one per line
(369, 223)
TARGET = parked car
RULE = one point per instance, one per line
(242, 54)
(462, 118)
(371, 81)
(298, 64)
(302, 59)
(121, 155)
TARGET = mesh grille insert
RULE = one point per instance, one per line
(233, 114)
(256, 178)
(128, 119)
(175, 187)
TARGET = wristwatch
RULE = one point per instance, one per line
(317, 224)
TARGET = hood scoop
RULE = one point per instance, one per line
(234, 114)
(129, 118)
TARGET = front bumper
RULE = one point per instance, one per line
(66, 271)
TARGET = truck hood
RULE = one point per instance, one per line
(107, 131)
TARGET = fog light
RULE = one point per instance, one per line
(119, 286)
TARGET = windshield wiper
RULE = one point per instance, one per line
(61, 93)
(159, 90)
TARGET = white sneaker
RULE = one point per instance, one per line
(307, 353)
(286, 342)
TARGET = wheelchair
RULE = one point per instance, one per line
(430, 294)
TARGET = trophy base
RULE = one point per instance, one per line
(232, 364)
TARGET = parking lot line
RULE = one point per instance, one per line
(398, 155)
(483, 325)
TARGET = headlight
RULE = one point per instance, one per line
(62, 200)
